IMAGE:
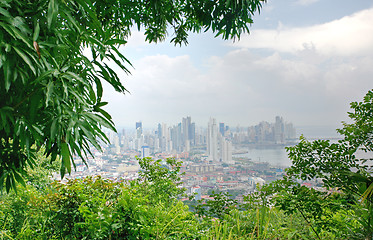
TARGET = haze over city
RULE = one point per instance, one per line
(305, 60)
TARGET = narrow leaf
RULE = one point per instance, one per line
(52, 12)
(66, 158)
(7, 75)
(36, 32)
(26, 59)
(19, 178)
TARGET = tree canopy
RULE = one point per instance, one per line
(51, 91)
(336, 165)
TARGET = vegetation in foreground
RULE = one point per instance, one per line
(149, 207)
(52, 101)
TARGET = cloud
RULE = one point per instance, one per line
(308, 75)
(136, 39)
(243, 88)
(348, 36)
(306, 2)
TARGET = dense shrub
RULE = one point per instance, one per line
(148, 208)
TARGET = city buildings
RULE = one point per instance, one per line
(209, 153)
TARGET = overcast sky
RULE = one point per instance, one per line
(305, 60)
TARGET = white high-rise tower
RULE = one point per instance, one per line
(226, 151)
(212, 140)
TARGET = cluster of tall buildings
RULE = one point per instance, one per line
(177, 138)
(278, 132)
(218, 146)
(216, 141)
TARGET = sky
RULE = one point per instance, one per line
(304, 60)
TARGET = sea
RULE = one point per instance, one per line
(277, 156)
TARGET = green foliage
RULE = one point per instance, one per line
(141, 216)
(336, 163)
(338, 166)
(359, 133)
(81, 205)
(51, 93)
(163, 181)
(96, 208)
(40, 175)
(21, 214)
(221, 204)
(51, 90)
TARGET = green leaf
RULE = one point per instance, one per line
(76, 77)
(45, 75)
(99, 90)
(19, 178)
(7, 75)
(22, 37)
(5, 12)
(49, 92)
(66, 157)
(72, 21)
(9, 183)
(36, 32)
(91, 95)
(52, 12)
(54, 129)
(115, 41)
(62, 169)
(9, 29)
(2, 179)
(26, 59)
(103, 112)
(101, 104)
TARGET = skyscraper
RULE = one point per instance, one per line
(192, 134)
(139, 126)
(226, 151)
(212, 140)
(188, 133)
(222, 128)
(186, 125)
(279, 130)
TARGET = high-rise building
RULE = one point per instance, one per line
(212, 140)
(222, 129)
(138, 125)
(164, 132)
(176, 138)
(289, 131)
(192, 134)
(159, 132)
(188, 133)
(138, 129)
(226, 151)
(186, 125)
(116, 144)
(279, 136)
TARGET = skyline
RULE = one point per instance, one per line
(310, 132)
(304, 60)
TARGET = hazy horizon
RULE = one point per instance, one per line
(304, 60)
(310, 132)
